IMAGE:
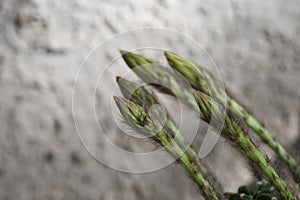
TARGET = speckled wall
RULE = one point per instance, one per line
(42, 44)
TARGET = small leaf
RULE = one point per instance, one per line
(244, 189)
(259, 191)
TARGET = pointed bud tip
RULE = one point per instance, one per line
(126, 55)
(116, 98)
(118, 78)
(197, 94)
(172, 58)
(170, 54)
(123, 51)
(123, 81)
(121, 102)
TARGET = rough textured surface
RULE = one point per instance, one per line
(255, 43)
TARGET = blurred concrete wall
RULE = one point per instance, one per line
(42, 43)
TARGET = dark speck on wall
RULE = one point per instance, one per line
(75, 159)
(49, 157)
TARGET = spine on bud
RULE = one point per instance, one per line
(201, 80)
(137, 117)
(211, 111)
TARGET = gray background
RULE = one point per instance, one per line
(42, 43)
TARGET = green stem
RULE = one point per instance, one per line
(154, 73)
(137, 117)
(192, 168)
(201, 80)
(142, 97)
(212, 111)
(266, 136)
